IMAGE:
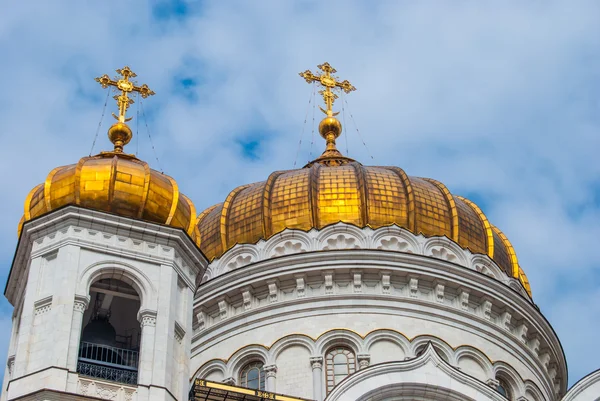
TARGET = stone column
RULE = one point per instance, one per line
(147, 319)
(270, 373)
(79, 306)
(316, 363)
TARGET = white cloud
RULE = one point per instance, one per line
(499, 99)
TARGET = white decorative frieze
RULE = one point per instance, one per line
(201, 318)
(106, 391)
(247, 298)
(485, 309)
(223, 308)
(552, 371)
(178, 332)
(463, 299)
(273, 290)
(522, 332)
(341, 241)
(413, 287)
(328, 275)
(394, 244)
(357, 282)
(42, 306)
(439, 293)
(342, 236)
(239, 261)
(505, 319)
(288, 248)
(300, 287)
(545, 359)
(535, 344)
(385, 282)
(444, 254)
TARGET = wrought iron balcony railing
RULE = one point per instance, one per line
(108, 363)
(106, 373)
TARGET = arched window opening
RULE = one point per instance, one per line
(253, 376)
(504, 389)
(110, 338)
(339, 363)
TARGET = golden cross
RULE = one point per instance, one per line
(329, 82)
(125, 86)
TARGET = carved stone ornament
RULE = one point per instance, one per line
(316, 362)
(147, 318)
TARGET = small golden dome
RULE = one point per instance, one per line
(322, 194)
(117, 183)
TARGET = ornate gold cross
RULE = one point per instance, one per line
(329, 82)
(125, 86)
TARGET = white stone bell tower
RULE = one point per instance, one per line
(135, 280)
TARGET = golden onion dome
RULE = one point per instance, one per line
(115, 182)
(334, 188)
(322, 194)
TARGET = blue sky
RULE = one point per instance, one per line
(498, 100)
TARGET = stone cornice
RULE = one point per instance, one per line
(105, 232)
(343, 236)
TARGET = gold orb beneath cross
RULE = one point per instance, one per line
(330, 126)
(119, 134)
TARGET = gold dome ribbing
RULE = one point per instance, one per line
(115, 183)
(320, 195)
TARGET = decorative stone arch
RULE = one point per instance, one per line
(239, 256)
(339, 337)
(517, 286)
(445, 249)
(244, 356)
(478, 356)
(387, 381)
(439, 345)
(506, 373)
(125, 272)
(341, 236)
(387, 335)
(209, 367)
(290, 242)
(289, 341)
(402, 236)
(485, 265)
(532, 391)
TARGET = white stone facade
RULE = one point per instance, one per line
(422, 318)
(59, 257)
(383, 304)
